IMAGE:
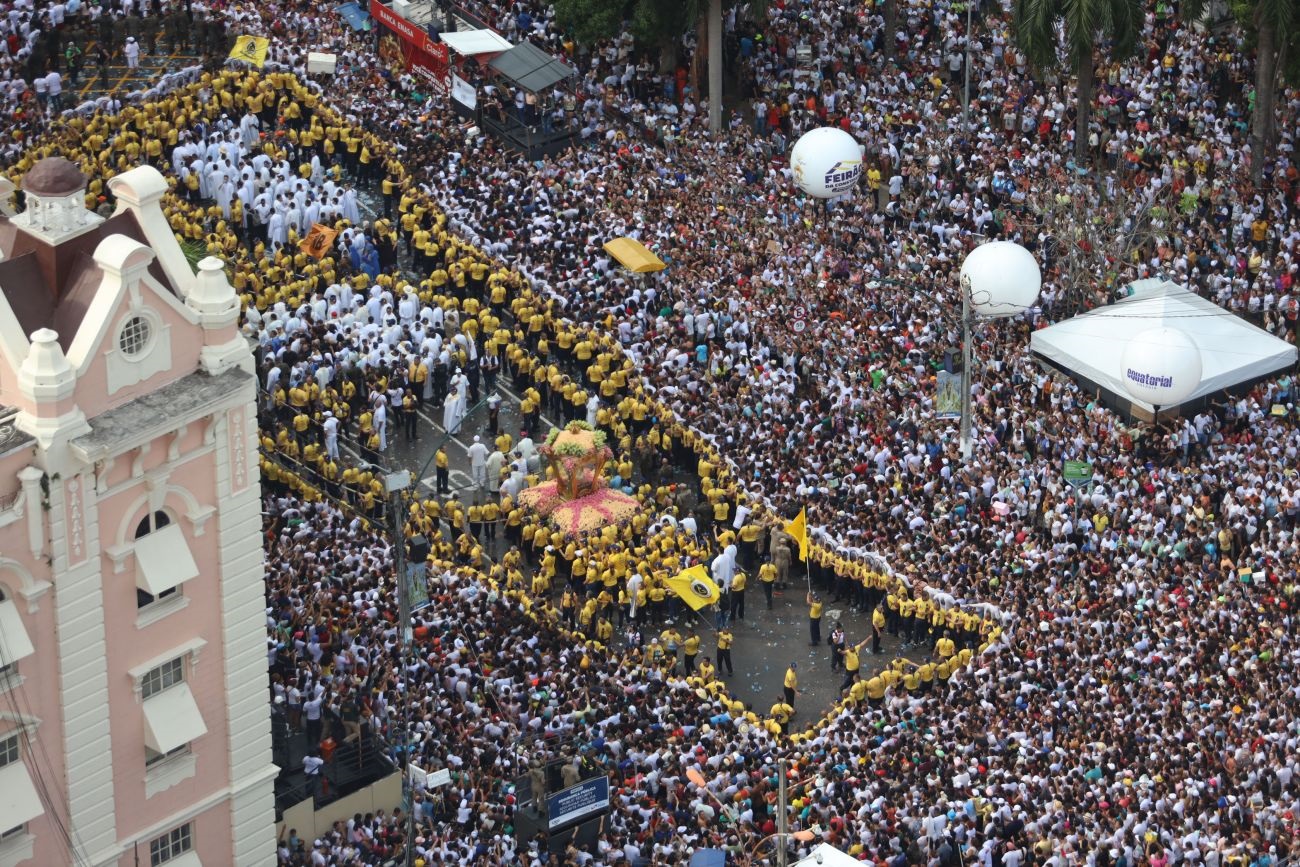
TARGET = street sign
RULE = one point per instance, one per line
(799, 326)
(1077, 473)
(576, 803)
(417, 586)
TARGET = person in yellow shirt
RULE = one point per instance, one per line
(738, 596)
(767, 577)
(725, 640)
(877, 628)
(690, 650)
(945, 647)
(852, 664)
(906, 608)
(791, 683)
(706, 671)
(875, 690)
(781, 713)
(926, 673)
(441, 467)
(814, 619)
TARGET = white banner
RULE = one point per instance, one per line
(463, 92)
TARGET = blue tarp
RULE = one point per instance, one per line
(708, 858)
(354, 15)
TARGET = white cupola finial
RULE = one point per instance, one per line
(46, 375)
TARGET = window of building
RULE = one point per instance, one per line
(152, 758)
(152, 523)
(163, 677)
(172, 720)
(134, 336)
(173, 844)
(14, 641)
(9, 755)
(21, 803)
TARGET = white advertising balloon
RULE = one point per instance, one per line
(1004, 279)
(1161, 366)
(826, 162)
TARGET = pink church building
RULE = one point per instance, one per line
(134, 714)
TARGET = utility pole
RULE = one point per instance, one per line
(715, 67)
(395, 484)
(965, 99)
(782, 815)
(966, 445)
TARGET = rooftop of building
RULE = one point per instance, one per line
(52, 285)
(11, 438)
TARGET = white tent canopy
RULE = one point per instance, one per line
(471, 42)
(1091, 345)
(826, 855)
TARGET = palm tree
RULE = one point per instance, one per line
(1085, 23)
(1273, 24)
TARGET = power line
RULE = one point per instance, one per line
(37, 753)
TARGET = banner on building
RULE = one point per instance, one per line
(418, 52)
(463, 92)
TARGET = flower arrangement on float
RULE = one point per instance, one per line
(578, 500)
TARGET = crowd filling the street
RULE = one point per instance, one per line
(1018, 672)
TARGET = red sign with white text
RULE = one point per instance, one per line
(422, 55)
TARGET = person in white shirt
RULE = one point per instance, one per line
(131, 51)
(311, 767)
(54, 87)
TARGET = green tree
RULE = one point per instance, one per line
(590, 21)
(660, 23)
(1039, 25)
(1272, 26)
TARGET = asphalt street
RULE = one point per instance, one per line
(766, 642)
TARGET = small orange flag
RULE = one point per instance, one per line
(318, 241)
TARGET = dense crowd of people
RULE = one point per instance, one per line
(1141, 704)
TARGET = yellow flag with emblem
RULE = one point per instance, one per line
(695, 587)
(251, 49)
(798, 530)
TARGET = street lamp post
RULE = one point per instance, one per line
(998, 279)
(395, 484)
(966, 447)
(782, 816)
(801, 836)
(965, 99)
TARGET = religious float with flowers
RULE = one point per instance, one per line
(578, 499)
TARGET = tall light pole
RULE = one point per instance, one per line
(966, 447)
(965, 99)
(783, 814)
(395, 484)
(715, 67)
(998, 279)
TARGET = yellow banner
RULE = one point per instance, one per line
(695, 587)
(251, 49)
(798, 530)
